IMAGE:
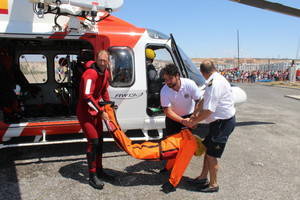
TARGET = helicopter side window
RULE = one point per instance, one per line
(192, 70)
(62, 68)
(34, 67)
(163, 57)
(122, 66)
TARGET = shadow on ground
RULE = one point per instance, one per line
(8, 173)
(143, 173)
(252, 123)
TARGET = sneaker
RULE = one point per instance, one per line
(95, 182)
(167, 188)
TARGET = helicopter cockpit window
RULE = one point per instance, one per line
(62, 67)
(122, 66)
(34, 67)
(192, 70)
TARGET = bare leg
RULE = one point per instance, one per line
(213, 170)
(204, 172)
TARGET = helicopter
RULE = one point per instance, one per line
(50, 40)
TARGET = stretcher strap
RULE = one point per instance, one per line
(111, 128)
(169, 154)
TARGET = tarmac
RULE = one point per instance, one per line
(283, 84)
(261, 161)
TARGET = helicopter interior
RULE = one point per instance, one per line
(40, 77)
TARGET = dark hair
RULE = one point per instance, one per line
(169, 69)
(207, 66)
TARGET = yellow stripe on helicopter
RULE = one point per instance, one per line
(4, 7)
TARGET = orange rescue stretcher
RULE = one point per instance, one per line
(178, 149)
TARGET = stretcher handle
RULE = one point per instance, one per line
(103, 103)
(111, 103)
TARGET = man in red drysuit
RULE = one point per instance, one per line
(92, 89)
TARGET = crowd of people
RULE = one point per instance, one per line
(234, 75)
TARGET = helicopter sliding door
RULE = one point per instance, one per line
(161, 57)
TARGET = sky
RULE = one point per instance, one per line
(208, 28)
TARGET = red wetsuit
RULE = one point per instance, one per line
(92, 89)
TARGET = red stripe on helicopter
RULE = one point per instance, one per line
(117, 32)
(113, 31)
(51, 128)
(3, 129)
(58, 35)
(3, 11)
(33, 129)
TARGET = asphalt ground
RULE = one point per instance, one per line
(261, 161)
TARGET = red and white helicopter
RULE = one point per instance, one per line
(49, 39)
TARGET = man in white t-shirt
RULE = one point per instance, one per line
(178, 98)
(217, 109)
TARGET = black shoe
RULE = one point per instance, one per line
(104, 176)
(163, 171)
(167, 188)
(198, 181)
(209, 189)
(95, 182)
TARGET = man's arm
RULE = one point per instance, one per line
(198, 106)
(206, 106)
(198, 115)
(172, 115)
(89, 80)
(203, 114)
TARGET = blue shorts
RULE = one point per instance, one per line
(217, 137)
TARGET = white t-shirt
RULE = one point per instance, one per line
(218, 98)
(183, 101)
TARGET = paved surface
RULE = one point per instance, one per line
(284, 84)
(261, 161)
